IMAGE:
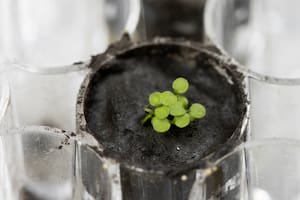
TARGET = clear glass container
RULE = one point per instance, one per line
(43, 39)
(45, 96)
(131, 182)
(43, 163)
(268, 170)
(35, 163)
(61, 32)
(264, 37)
(6, 114)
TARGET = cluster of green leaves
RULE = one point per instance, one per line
(172, 108)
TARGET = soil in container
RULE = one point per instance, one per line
(114, 101)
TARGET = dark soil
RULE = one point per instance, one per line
(119, 91)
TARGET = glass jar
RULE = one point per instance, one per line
(263, 36)
(47, 46)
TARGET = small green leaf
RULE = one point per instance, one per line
(148, 110)
(146, 118)
(160, 125)
(180, 85)
(182, 121)
(183, 100)
(177, 109)
(162, 112)
(197, 111)
(154, 99)
(167, 98)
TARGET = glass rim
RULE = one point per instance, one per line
(134, 16)
(43, 130)
(208, 25)
(209, 31)
(75, 67)
(4, 99)
(130, 27)
(50, 131)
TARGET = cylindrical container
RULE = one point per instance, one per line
(131, 181)
(37, 162)
(6, 114)
(171, 18)
(56, 33)
(42, 41)
(263, 36)
(45, 96)
(260, 176)
(43, 163)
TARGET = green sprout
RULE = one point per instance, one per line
(172, 108)
(180, 85)
(160, 125)
(197, 111)
(162, 112)
(183, 100)
(167, 98)
(154, 99)
(182, 121)
(177, 109)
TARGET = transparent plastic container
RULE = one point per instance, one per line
(263, 36)
(33, 160)
(45, 96)
(268, 170)
(6, 114)
(47, 49)
(61, 32)
(131, 182)
(44, 163)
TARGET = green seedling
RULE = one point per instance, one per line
(160, 125)
(162, 112)
(154, 99)
(180, 85)
(167, 98)
(177, 109)
(171, 108)
(182, 121)
(197, 111)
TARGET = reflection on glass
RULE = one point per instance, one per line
(44, 39)
(36, 162)
(6, 116)
(269, 170)
(263, 35)
(43, 163)
(46, 96)
(61, 32)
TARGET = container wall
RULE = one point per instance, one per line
(7, 118)
(55, 33)
(263, 36)
(43, 98)
(36, 163)
(260, 176)
(171, 18)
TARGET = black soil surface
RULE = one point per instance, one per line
(119, 91)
